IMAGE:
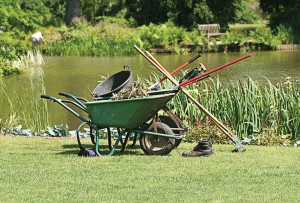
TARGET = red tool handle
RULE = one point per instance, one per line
(188, 82)
(182, 66)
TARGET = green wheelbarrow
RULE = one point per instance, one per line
(128, 116)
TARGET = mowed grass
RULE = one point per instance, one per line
(49, 170)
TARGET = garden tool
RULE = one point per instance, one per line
(239, 147)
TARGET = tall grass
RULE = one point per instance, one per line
(29, 61)
(34, 114)
(248, 107)
(27, 109)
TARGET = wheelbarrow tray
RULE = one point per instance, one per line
(127, 113)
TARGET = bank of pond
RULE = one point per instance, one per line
(112, 39)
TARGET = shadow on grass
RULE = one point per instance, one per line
(73, 149)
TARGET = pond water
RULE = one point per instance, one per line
(80, 75)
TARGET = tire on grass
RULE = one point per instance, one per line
(157, 145)
(167, 120)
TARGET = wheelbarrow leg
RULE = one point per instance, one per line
(109, 138)
(125, 142)
(92, 136)
(78, 136)
(134, 139)
(119, 132)
(113, 149)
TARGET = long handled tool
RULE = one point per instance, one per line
(176, 70)
(239, 147)
(188, 82)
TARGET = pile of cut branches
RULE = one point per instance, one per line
(137, 90)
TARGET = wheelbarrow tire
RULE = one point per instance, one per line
(157, 145)
(168, 120)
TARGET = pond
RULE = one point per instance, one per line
(80, 75)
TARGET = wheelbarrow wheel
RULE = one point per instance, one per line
(168, 121)
(157, 145)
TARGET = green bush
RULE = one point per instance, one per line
(265, 37)
(285, 34)
(101, 39)
(7, 69)
(161, 36)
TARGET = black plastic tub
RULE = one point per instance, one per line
(114, 84)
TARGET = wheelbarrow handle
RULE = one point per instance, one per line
(72, 96)
(64, 94)
(46, 96)
(62, 103)
(76, 99)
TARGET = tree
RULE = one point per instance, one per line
(284, 13)
(91, 9)
(185, 13)
(72, 10)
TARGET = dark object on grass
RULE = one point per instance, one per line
(114, 83)
(203, 148)
(86, 152)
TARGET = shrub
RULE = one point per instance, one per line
(161, 36)
(285, 34)
(264, 36)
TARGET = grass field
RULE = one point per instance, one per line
(49, 170)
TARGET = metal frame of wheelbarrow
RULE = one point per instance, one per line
(238, 146)
(77, 102)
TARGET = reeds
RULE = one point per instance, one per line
(30, 60)
(26, 109)
(248, 107)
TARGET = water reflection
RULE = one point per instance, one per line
(80, 75)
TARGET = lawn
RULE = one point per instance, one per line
(49, 170)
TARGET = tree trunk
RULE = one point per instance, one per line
(72, 10)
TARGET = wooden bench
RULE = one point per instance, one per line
(209, 30)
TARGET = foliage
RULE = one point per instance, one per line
(247, 11)
(11, 48)
(206, 132)
(195, 40)
(191, 12)
(27, 109)
(101, 39)
(161, 36)
(235, 40)
(79, 23)
(107, 38)
(284, 13)
(7, 69)
(249, 108)
(7, 126)
(285, 34)
(137, 90)
(56, 131)
(92, 9)
(264, 36)
(20, 17)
